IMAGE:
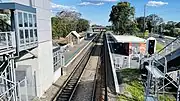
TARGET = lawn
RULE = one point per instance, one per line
(133, 87)
(159, 46)
(134, 90)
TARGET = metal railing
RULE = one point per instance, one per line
(169, 48)
(8, 87)
(6, 40)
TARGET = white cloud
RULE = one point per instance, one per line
(99, 0)
(56, 7)
(90, 3)
(156, 3)
(95, 2)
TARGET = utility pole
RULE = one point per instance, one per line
(144, 20)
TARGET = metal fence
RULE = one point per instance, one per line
(22, 90)
(26, 83)
(6, 40)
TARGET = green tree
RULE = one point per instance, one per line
(82, 25)
(121, 17)
(67, 21)
(170, 25)
(178, 25)
(153, 21)
(140, 23)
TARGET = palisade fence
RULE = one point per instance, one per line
(26, 90)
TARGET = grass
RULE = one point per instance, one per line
(134, 90)
(133, 87)
(159, 46)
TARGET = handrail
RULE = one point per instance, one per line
(5, 68)
(7, 39)
(169, 44)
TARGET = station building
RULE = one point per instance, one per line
(125, 48)
(28, 60)
(74, 38)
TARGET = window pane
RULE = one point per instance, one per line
(20, 21)
(35, 34)
(31, 35)
(35, 22)
(21, 34)
(25, 20)
(27, 35)
(30, 20)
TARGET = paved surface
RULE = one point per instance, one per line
(55, 87)
(72, 51)
(84, 90)
(165, 41)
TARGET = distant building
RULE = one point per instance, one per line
(130, 44)
(74, 38)
(124, 48)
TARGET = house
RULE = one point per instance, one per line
(74, 38)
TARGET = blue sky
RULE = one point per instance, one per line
(97, 11)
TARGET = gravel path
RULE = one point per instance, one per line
(84, 91)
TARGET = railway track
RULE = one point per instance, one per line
(70, 85)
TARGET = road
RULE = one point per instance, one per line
(165, 41)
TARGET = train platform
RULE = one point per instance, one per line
(73, 56)
(73, 51)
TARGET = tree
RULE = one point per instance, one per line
(70, 15)
(170, 25)
(82, 25)
(67, 21)
(178, 25)
(153, 21)
(140, 23)
(121, 17)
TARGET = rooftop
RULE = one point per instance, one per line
(127, 39)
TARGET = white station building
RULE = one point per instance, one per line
(26, 50)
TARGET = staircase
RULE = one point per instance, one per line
(7, 80)
(160, 66)
(172, 54)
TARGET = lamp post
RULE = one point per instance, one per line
(144, 25)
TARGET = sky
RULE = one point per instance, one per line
(97, 11)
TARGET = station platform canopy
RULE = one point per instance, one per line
(128, 39)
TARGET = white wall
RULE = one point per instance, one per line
(45, 54)
(43, 65)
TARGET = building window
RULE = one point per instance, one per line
(31, 35)
(27, 35)
(35, 34)
(25, 20)
(30, 20)
(21, 34)
(35, 22)
(20, 20)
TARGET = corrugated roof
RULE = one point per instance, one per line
(127, 39)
